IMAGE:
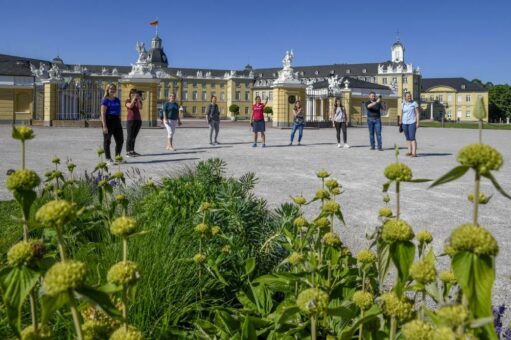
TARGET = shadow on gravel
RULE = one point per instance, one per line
(433, 154)
(170, 153)
(165, 160)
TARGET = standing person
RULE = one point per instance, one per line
(374, 107)
(213, 119)
(257, 120)
(410, 123)
(298, 122)
(340, 121)
(133, 121)
(171, 120)
(111, 120)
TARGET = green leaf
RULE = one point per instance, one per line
(50, 304)
(386, 186)
(101, 299)
(110, 288)
(216, 273)
(497, 185)
(17, 282)
(287, 314)
(403, 254)
(383, 263)
(25, 198)
(452, 175)
(419, 180)
(481, 322)
(369, 315)
(246, 301)
(250, 264)
(339, 216)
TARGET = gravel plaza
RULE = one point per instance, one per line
(285, 171)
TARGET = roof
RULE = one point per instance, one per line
(455, 83)
(371, 69)
(18, 66)
(353, 83)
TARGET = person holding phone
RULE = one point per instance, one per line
(133, 121)
(171, 120)
(111, 121)
(298, 123)
(257, 121)
(339, 121)
(374, 107)
(410, 123)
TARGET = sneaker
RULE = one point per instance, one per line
(110, 161)
(346, 146)
(129, 154)
(254, 145)
(290, 144)
(373, 148)
(380, 149)
(299, 143)
(217, 142)
(339, 145)
(264, 145)
(211, 143)
(135, 154)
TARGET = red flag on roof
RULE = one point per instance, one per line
(154, 23)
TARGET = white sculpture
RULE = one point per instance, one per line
(346, 84)
(179, 73)
(115, 72)
(142, 53)
(288, 58)
(142, 68)
(104, 71)
(286, 75)
(199, 74)
(54, 73)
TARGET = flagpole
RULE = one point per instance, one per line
(158, 22)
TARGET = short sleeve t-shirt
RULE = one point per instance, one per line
(133, 113)
(373, 112)
(258, 112)
(409, 116)
(113, 106)
(171, 110)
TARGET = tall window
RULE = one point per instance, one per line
(449, 115)
(468, 98)
(213, 93)
(440, 99)
(204, 95)
(166, 90)
(459, 113)
(270, 95)
(384, 81)
(432, 98)
(238, 84)
(246, 110)
(194, 84)
(194, 109)
(222, 96)
(458, 99)
(222, 85)
(185, 95)
(263, 95)
(185, 83)
(257, 93)
(468, 114)
(203, 109)
(405, 80)
(247, 96)
(449, 98)
(238, 95)
(194, 95)
(212, 85)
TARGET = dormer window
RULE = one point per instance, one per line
(463, 86)
(364, 70)
(332, 72)
(316, 72)
(260, 75)
(274, 74)
(348, 71)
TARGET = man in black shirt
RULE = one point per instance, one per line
(373, 106)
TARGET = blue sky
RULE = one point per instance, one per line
(445, 38)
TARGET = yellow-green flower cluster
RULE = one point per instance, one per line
(398, 172)
(56, 213)
(331, 184)
(215, 230)
(96, 329)
(22, 133)
(424, 236)
(119, 158)
(123, 226)
(199, 258)
(365, 256)
(444, 333)
(453, 315)
(127, 334)
(336, 191)
(322, 223)
(394, 306)
(124, 273)
(295, 258)
(22, 253)
(364, 300)
(385, 212)
(55, 160)
(300, 222)
(397, 230)
(480, 157)
(331, 240)
(70, 166)
(474, 239)
(423, 271)
(331, 207)
(300, 200)
(417, 330)
(322, 174)
(23, 180)
(118, 175)
(226, 249)
(63, 276)
(205, 206)
(447, 277)
(386, 198)
(312, 301)
(101, 166)
(100, 152)
(201, 229)
(322, 194)
(121, 199)
(483, 199)
(43, 333)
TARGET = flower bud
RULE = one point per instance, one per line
(215, 230)
(226, 249)
(23, 180)
(21, 254)
(322, 223)
(123, 226)
(322, 194)
(199, 258)
(480, 157)
(365, 256)
(397, 230)
(295, 258)
(424, 236)
(474, 239)
(201, 229)
(385, 212)
(322, 174)
(331, 240)
(43, 333)
(22, 133)
(300, 200)
(312, 301)
(205, 206)
(363, 300)
(447, 277)
(331, 184)
(453, 315)
(331, 207)
(55, 160)
(63, 276)
(393, 306)
(300, 222)
(417, 330)
(398, 172)
(423, 272)
(131, 333)
(123, 273)
(483, 199)
(56, 213)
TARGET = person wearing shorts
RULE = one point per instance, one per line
(171, 120)
(257, 120)
(410, 123)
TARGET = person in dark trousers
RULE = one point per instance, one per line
(133, 121)
(340, 121)
(111, 120)
(298, 123)
(213, 119)
(374, 107)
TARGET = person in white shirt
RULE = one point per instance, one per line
(340, 121)
(410, 123)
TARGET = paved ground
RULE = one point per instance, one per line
(285, 171)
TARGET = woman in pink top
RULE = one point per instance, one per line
(257, 120)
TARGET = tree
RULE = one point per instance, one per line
(268, 110)
(234, 109)
(499, 101)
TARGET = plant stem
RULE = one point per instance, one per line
(23, 154)
(476, 197)
(125, 306)
(125, 249)
(480, 131)
(60, 242)
(313, 327)
(398, 205)
(76, 316)
(363, 280)
(393, 326)
(33, 309)
(361, 328)
(421, 316)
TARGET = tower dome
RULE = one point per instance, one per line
(157, 56)
(57, 60)
(398, 52)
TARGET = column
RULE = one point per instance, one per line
(313, 108)
(50, 102)
(322, 107)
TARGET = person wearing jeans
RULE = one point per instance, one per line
(298, 123)
(339, 121)
(410, 123)
(133, 121)
(111, 121)
(213, 119)
(374, 107)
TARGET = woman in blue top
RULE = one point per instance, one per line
(111, 119)
(410, 123)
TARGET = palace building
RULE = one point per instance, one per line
(55, 93)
